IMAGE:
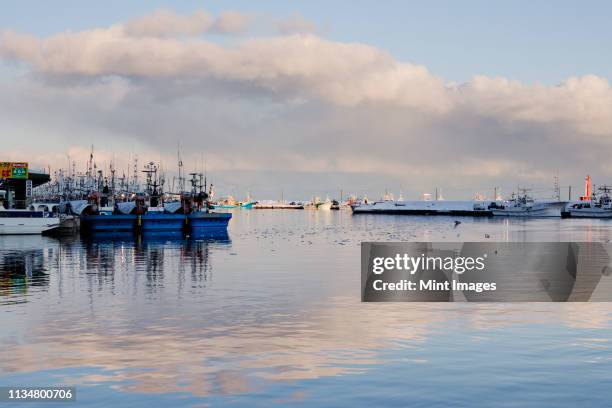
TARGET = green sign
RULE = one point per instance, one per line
(19, 173)
(10, 170)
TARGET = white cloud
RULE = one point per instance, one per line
(313, 104)
(167, 23)
(296, 24)
(231, 22)
(296, 65)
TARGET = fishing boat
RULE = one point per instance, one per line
(522, 205)
(278, 205)
(148, 214)
(595, 206)
(422, 207)
(199, 221)
(248, 203)
(146, 222)
(317, 204)
(202, 223)
(145, 214)
(325, 205)
(227, 203)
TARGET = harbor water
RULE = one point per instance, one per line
(271, 315)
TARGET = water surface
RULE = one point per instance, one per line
(270, 315)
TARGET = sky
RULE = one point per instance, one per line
(312, 97)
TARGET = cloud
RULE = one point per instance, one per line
(296, 24)
(297, 65)
(317, 106)
(307, 66)
(167, 23)
(231, 22)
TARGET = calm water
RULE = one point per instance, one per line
(271, 316)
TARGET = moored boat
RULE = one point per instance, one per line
(423, 207)
(325, 205)
(278, 205)
(17, 217)
(248, 205)
(200, 223)
(529, 209)
(149, 215)
(595, 206)
(522, 205)
(26, 222)
(227, 203)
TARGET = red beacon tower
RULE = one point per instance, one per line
(588, 192)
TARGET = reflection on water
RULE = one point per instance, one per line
(273, 316)
(19, 271)
(105, 258)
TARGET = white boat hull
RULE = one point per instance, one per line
(537, 210)
(325, 206)
(590, 213)
(27, 226)
(541, 212)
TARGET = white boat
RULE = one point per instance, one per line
(69, 222)
(525, 206)
(423, 207)
(593, 207)
(278, 205)
(326, 205)
(23, 222)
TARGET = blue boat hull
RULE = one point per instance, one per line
(108, 223)
(152, 222)
(201, 223)
(195, 223)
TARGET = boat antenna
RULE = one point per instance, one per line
(605, 189)
(135, 174)
(181, 177)
(194, 183)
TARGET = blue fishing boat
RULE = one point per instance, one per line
(142, 218)
(161, 222)
(148, 214)
(200, 223)
(191, 217)
(196, 223)
(145, 223)
(116, 223)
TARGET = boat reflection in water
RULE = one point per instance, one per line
(19, 271)
(104, 256)
(155, 254)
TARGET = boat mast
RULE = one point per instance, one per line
(112, 185)
(181, 177)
